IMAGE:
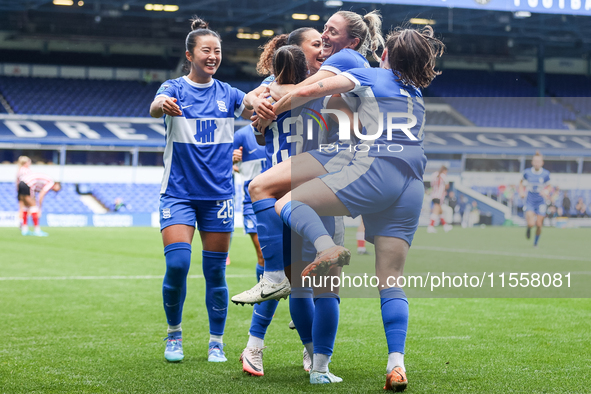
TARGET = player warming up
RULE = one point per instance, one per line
(197, 184)
(534, 181)
(28, 187)
(439, 186)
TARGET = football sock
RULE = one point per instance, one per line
(361, 241)
(274, 276)
(442, 221)
(260, 270)
(216, 338)
(35, 216)
(255, 342)
(270, 231)
(301, 308)
(262, 315)
(174, 286)
(434, 217)
(395, 359)
(305, 221)
(310, 349)
(326, 322)
(216, 290)
(172, 329)
(395, 318)
(25, 212)
(536, 239)
(320, 362)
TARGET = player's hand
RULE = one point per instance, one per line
(235, 168)
(264, 109)
(237, 155)
(170, 108)
(262, 124)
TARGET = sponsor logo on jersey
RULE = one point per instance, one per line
(222, 106)
(205, 131)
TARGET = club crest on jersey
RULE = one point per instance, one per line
(166, 213)
(162, 88)
(222, 106)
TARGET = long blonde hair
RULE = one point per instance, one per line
(23, 160)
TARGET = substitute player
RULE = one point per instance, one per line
(439, 186)
(28, 187)
(384, 183)
(534, 180)
(197, 183)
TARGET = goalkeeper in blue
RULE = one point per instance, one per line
(383, 182)
(197, 184)
(535, 180)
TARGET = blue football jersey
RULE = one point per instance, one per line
(199, 143)
(254, 159)
(385, 105)
(344, 60)
(534, 182)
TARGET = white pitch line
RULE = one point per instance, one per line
(498, 253)
(105, 277)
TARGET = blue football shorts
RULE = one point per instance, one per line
(382, 189)
(215, 216)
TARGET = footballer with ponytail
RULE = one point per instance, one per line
(197, 185)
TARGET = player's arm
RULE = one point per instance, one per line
(42, 194)
(164, 105)
(253, 102)
(278, 91)
(337, 102)
(521, 189)
(326, 87)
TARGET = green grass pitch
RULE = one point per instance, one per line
(81, 312)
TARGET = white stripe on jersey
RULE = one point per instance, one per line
(250, 169)
(438, 183)
(22, 172)
(38, 182)
(185, 130)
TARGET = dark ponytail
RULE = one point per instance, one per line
(289, 65)
(412, 54)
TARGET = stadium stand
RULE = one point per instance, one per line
(491, 99)
(66, 201)
(136, 197)
(59, 96)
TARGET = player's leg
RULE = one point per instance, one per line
(530, 217)
(35, 215)
(435, 215)
(215, 224)
(324, 330)
(539, 224)
(361, 238)
(24, 211)
(177, 251)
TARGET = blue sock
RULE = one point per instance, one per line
(395, 318)
(260, 271)
(174, 286)
(301, 308)
(303, 220)
(536, 239)
(216, 290)
(270, 230)
(262, 314)
(326, 322)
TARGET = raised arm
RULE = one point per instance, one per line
(326, 87)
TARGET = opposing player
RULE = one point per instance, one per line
(197, 183)
(534, 180)
(23, 164)
(28, 187)
(384, 180)
(439, 186)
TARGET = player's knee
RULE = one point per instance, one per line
(214, 275)
(178, 259)
(256, 189)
